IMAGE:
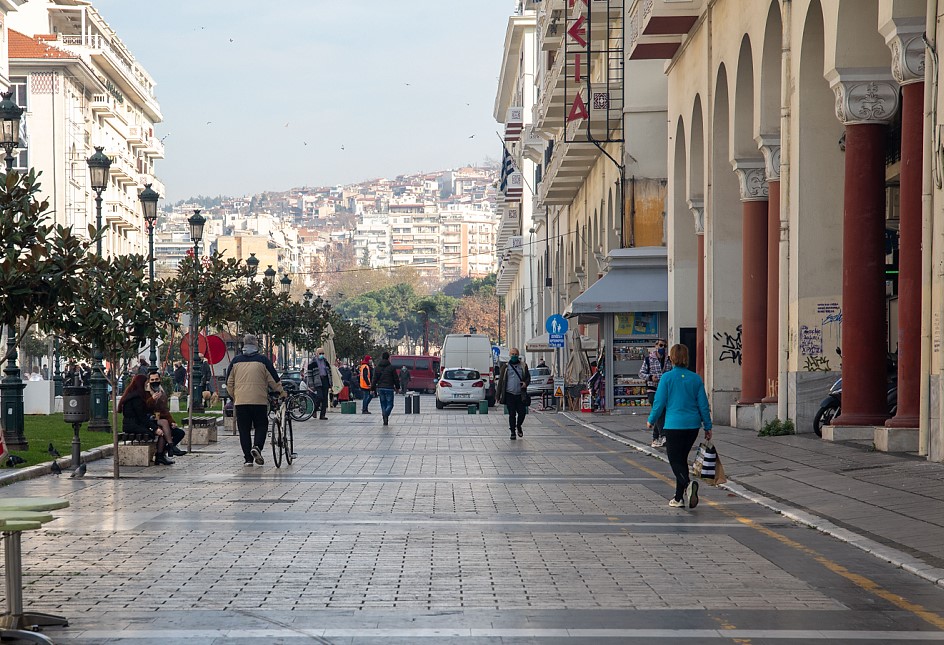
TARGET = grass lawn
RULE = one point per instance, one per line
(41, 430)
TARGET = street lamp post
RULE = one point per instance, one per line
(12, 386)
(285, 287)
(196, 222)
(269, 281)
(149, 199)
(99, 164)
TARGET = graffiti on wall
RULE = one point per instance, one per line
(730, 346)
(811, 341)
(817, 364)
(815, 338)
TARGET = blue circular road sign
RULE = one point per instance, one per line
(556, 324)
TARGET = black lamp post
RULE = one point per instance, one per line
(12, 386)
(285, 287)
(99, 164)
(268, 280)
(196, 222)
(253, 263)
(149, 199)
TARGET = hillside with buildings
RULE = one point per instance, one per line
(432, 228)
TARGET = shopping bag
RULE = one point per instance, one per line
(705, 461)
(719, 473)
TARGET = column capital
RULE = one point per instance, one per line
(904, 36)
(697, 207)
(864, 96)
(750, 174)
(769, 146)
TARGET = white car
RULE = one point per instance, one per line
(459, 385)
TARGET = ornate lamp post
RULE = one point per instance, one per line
(268, 280)
(253, 263)
(196, 222)
(12, 386)
(149, 199)
(285, 285)
(99, 164)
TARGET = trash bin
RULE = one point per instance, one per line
(416, 403)
(349, 407)
(408, 403)
(473, 408)
(75, 404)
(483, 407)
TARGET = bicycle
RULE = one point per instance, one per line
(301, 406)
(283, 440)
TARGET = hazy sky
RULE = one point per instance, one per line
(267, 95)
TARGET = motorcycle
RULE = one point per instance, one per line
(831, 406)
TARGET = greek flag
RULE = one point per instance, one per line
(508, 167)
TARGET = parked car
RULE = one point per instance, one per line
(292, 380)
(424, 370)
(472, 351)
(459, 385)
(542, 380)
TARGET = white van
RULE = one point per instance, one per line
(473, 351)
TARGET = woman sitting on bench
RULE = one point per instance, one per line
(137, 407)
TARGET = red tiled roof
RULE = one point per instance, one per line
(22, 46)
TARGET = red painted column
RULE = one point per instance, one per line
(697, 207)
(864, 336)
(753, 280)
(773, 287)
(909, 258)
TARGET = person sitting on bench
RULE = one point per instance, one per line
(137, 407)
(162, 413)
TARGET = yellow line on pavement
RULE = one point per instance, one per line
(858, 580)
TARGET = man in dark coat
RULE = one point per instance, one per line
(319, 373)
(385, 382)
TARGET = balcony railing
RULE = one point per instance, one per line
(656, 28)
(114, 54)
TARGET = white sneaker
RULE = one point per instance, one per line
(257, 455)
(677, 503)
(655, 443)
(691, 494)
(661, 441)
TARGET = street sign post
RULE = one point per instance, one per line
(556, 325)
(555, 340)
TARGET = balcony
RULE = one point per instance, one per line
(566, 171)
(103, 105)
(656, 28)
(550, 24)
(549, 108)
(154, 148)
(509, 260)
(137, 135)
(156, 184)
(122, 169)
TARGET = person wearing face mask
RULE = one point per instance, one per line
(319, 373)
(653, 367)
(163, 416)
(513, 381)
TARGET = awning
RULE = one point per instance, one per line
(541, 343)
(637, 280)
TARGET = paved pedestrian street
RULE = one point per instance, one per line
(438, 529)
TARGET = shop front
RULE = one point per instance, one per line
(630, 305)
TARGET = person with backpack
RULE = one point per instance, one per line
(653, 367)
(366, 376)
(513, 382)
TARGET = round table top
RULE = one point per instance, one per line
(32, 503)
(19, 526)
(24, 516)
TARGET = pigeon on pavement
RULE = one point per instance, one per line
(56, 468)
(79, 472)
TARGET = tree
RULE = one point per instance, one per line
(40, 263)
(365, 257)
(478, 285)
(479, 311)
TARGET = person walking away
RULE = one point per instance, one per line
(653, 367)
(320, 374)
(251, 377)
(513, 381)
(180, 377)
(404, 380)
(681, 397)
(366, 376)
(386, 381)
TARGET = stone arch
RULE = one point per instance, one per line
(682, 242)
(696, 194)
(851, 37)
(613, 227)
(695, 172)
(815, 233)
(767, 115)
(723, 271)
(742, 144)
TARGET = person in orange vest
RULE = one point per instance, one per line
(366, 371)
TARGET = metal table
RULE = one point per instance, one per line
(18, 514)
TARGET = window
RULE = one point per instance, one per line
(422, 364)
(21, 159)
(18, 87)
(462, 375)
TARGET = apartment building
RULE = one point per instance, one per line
(81, 87)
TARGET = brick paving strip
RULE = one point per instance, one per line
(889, 505)
(438, 529)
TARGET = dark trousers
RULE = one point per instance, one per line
(321, 399)
(177, 434)
(368, 396)
(249, 417)
(678, 443)
(660, 422)
(517, 410)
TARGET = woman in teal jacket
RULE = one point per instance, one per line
(681, 395)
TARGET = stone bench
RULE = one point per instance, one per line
(136, 449)
(204, 430)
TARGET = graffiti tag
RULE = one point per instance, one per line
(817, 364)
(811, 341)
(730, 346)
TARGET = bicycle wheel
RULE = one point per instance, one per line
(277, 440)
(301, 407)
(289, 440)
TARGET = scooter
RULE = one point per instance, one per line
(831, 406)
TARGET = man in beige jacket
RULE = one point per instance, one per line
(251, 377)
